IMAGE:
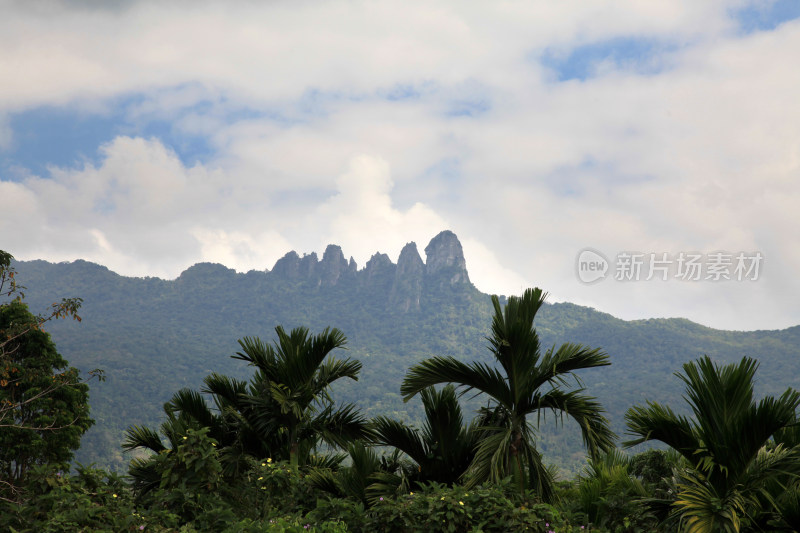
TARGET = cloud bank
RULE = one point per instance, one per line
(533, 130)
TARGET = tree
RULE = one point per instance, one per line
(356, 481)
(444, 448)
(13, 291)
(610, 495)
(225, 418)
(726, 444)
(43, 413)
(290, 392)
(525, 383)
(283, 413)
(45, 403)
(11, 288)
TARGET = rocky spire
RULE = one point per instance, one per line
(407, 286)
(288, 266)
(308, 267)
(333, 265)
(445, 258)
(402, 284)
(379, 272)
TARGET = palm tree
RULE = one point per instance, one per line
(284, 412)
(610, 494)
(786, 515)
(290, 391)
(351, 481)
(443, 450)
(725, 444)
(188, 409)
(525, 383)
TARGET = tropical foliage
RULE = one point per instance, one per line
(284, 412)
(290, 391)
(527, 382)
(736, 469)
(265, 454)
(443, 449)
(44, 406)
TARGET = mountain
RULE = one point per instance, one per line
(154, 336)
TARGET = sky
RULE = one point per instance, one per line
(639, 157)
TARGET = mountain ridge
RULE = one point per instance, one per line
(154, 336)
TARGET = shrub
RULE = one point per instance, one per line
(90, 500)
(484, 508)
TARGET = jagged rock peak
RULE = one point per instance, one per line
(409, 259)
(287, 266)
(444, 253)
(407, 286)
(378, 273)
(378, 262)
(333, 254)
(308, 265)
(333, 265)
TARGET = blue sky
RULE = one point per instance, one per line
(149, 137)
(634, 54)
(765, 16)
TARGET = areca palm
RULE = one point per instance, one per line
(524, 382)
(351, 481)
(725, 443)
(290, 391)
(283, 412)
(444, 448)
(188, 409)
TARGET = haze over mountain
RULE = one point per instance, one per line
(154, 336)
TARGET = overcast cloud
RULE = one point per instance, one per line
(148, 136)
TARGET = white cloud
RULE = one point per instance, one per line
(362, 218)
(701, 156)
(243, 251)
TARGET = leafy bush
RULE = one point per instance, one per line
(484, 508)
(90, 500)
(275, 489)
(349, 512)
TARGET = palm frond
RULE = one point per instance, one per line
(333, 369)
(514, 340)
(340, 426)
(438, 370)
(226, 391)
(393, 433)
(585, 410)
(190, 403)
(142, 437)
(491, 457)
(325, 480)
(256, 353)
(330, 461)
(145, 476)
(540, 478)
(657, 422)
(569, 357)
(701, 509)
(779, 464)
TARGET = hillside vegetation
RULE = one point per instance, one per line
(153, 336)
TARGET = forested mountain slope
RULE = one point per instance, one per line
(154, 336)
